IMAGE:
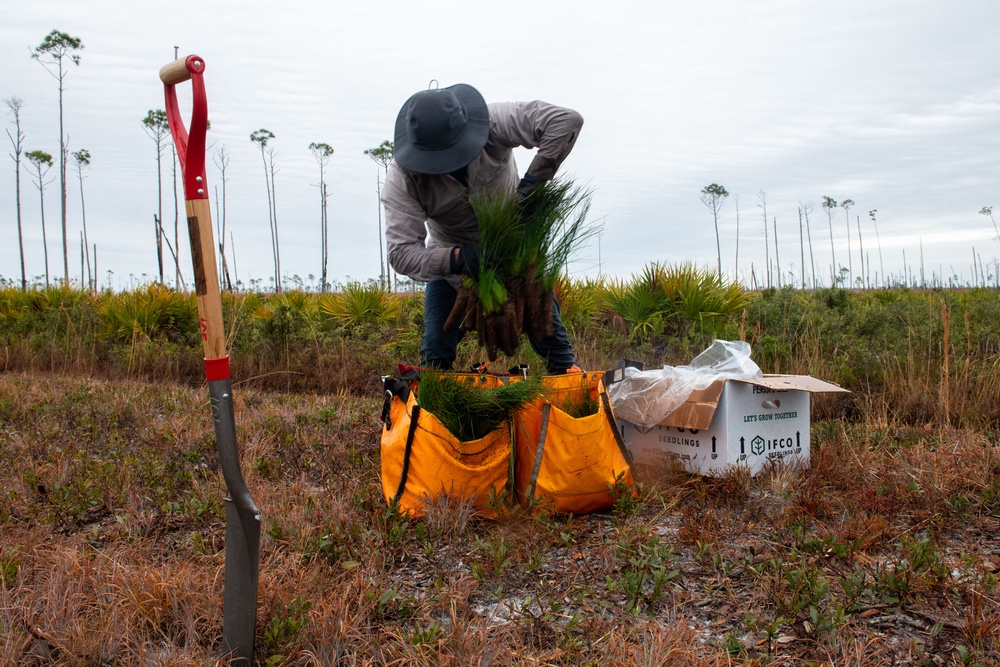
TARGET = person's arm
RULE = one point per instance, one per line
(406, 233)
(551, 129)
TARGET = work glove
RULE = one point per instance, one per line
(524, 199)
(527, 185)
(540, 170)
(466, 260)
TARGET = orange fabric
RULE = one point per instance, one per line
(561, 463)
(582, 458)
(440, 464)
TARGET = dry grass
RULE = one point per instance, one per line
(882, 552)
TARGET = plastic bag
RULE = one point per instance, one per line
(647, 397)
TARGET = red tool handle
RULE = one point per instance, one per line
(190, 147)
(191, 154)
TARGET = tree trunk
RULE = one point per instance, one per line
(158, 218)
(62, 177)
(809, 238)
(86, 242)
(736, 200)
(381, 245)
(17, 188)
(861, 251)
(767, 250)
(718, 243)
(833, 254)
(277, 245)
(850, 262)
(45, 243)
(177, 221)
(324, 234)
(802, 249)
(777, 259)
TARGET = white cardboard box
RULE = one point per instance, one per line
(733, 422)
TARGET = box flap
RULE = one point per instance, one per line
(697, 411)
(796, 383)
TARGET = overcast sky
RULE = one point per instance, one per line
(894, 104)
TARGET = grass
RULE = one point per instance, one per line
(880, 553)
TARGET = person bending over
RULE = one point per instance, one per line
(450, 142)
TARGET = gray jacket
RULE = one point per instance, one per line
(427, 215)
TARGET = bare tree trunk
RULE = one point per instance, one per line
(718, 242)
(85, 241)
(833, 253)
(220, 234)
(381, 243)
(15, 104)
(736, 200)
(762, 199)
(802, 248)
(177, 220)
(158, 218)
(222, 162)
(277, 246)
(777, 259)
(232, 245)
(324, 238)
(45, 243)
(158, 229)
(182, 284)
(806, 208)
(850, 263)
(861, 251)
(881, 267)
(923, 279)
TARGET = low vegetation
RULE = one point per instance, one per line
(881, 552)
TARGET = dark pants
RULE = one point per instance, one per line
(438, 348)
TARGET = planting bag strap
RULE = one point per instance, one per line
(622, 447)
(414, 418)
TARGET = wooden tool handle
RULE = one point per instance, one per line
(206, 278)
(180, 70)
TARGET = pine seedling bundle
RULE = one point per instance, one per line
(470, 412)
(523, 247)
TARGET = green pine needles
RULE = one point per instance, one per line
(524, 247)
(470, 412)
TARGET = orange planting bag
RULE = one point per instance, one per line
(422, 460)
(566, 463)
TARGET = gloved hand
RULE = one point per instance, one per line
(465, 260)
(527, 184)
(524, 199)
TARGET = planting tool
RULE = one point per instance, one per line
(242, 516)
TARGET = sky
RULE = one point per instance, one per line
(894, 104)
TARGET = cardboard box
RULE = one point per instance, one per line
(733, 422)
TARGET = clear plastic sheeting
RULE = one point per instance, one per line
(647, 397)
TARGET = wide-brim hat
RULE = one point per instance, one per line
(441, 130)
